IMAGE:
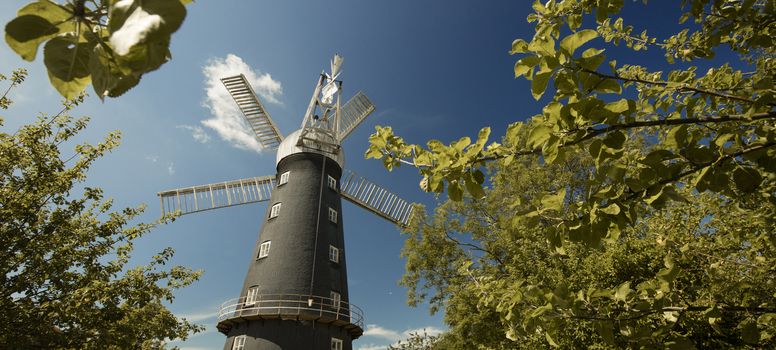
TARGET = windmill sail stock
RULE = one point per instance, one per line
(216, 195)
(266, 131)
(353, 187)
(353, 113)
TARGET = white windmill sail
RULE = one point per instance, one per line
(217, 195)
(265, 129)
(374, 198)
(353, 113)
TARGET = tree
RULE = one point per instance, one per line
(417, 341)
(65, 282)
(711, 131)
(107, 43)
(695, 274)
(637, 210)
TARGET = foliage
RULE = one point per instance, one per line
(637, 210)
(694, 274)
(65, 282)
(108, 43)
(711, 131)
(417, 341)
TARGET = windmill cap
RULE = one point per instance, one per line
(315, 141)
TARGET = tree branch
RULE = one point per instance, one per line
(684, 87)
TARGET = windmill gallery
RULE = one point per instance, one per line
(295, 293)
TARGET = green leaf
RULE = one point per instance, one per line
(622, 291)
(36, 23)
(677, 137)
(473, 187)
(554, 201)
(478, 176)
(747, 179)
(462, 143)
(618, 107)
(525, 64)
(612, 209)
(605, 330)
(573, 41)
(749, 332)
(615, 140)
(538, 135)
(24, 33)
(124, 84)
(549, 339)
(68, 65)
(591, 59)
(151, 21)
(65, 59)
(539, 84)
(544, 47)
(105, 75)
(454, 191)
(608, 86)
(519, 46)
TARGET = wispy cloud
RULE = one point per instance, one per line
(171, 168)
(381, 332)
(197, 132)
(198, 316)
(393, 336)
(152, 158)
(372, 347)
(227, 120)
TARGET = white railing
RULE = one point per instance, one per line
(305, 306)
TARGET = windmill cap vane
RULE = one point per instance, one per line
(336, 66)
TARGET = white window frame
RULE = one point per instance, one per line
(332, 183)
(336, 344)
(252, 296)
(274, 211)
(284, 178)
(332, 215)
(264, 249)
(336, 298)
(239, 343)
(333, 254)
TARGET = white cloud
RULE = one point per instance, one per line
(372, 347)
(171, 168)
(376, 331)
(198, 316)
(431, 331)
(152, 158)
(227, 120)
(197, 132)
(380, 332)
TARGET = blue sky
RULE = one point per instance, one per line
(434, 70)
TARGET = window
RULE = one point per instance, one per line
(252, 296)
(239, 343)
(332, 215)
(336, 344)
(333, 254)
(284, 178)
(332, 183)
(275, 211)
(264, 249)
(335, 299)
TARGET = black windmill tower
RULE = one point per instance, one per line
(295, 295)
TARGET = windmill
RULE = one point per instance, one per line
(295, 294)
